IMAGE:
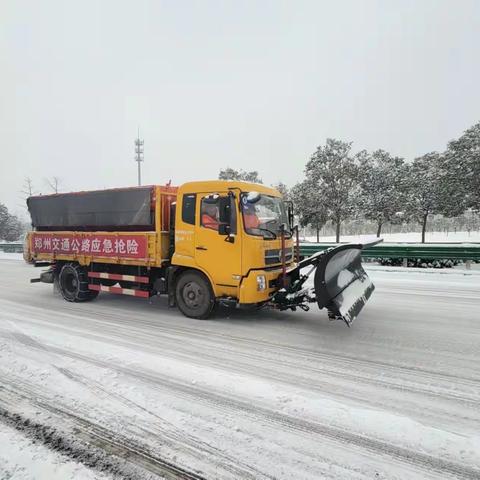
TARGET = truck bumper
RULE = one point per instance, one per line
(251, 291)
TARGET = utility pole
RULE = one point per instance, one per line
(139, 155)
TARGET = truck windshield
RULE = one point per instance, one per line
(263, 215)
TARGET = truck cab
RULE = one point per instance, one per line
(231, 234)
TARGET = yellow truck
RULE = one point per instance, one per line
(203, 244)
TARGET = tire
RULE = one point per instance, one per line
(194, 295)
(73, 284)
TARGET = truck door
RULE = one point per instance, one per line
(218, 254)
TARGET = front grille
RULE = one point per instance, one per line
(274, 256)
(278, 282)
(274, 283)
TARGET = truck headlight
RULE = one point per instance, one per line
(261, 283)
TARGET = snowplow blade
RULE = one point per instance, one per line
(341, 284)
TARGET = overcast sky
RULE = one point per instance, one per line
(247, 84)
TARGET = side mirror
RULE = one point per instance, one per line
(253, 197)
(228, 217)
(224, 210)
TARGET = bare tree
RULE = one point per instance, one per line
(53, 183)
(27, 188)
(26, 191)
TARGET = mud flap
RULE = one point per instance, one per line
(341, 284)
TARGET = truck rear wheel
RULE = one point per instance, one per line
(73, 284)
(194, 295)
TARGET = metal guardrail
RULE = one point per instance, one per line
(427, 251)
(11, 247)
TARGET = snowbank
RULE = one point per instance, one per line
(21, 459)
(408, 237)
(10, 256)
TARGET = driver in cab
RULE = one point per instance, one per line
(250, 217)
(210, 216)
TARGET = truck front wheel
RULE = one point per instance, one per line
(194, 295)
(73, 283)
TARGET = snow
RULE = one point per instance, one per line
(253, 395)
(344, 278)
(457, 270)
(353, 297)
(11, 256)
(437, 237)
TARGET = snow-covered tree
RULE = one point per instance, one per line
(14, 229)
(334, 173)
(309, 205)
(3, 218)
(381, 179)
(283, 189)
(10, 226)
(423, 186)
(231, 174)
(461, 181)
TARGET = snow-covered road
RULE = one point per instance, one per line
(137, 390)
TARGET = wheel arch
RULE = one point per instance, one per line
(177, 270)
(80, 274)
(194, 295)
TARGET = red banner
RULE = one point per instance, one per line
(127, 246)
